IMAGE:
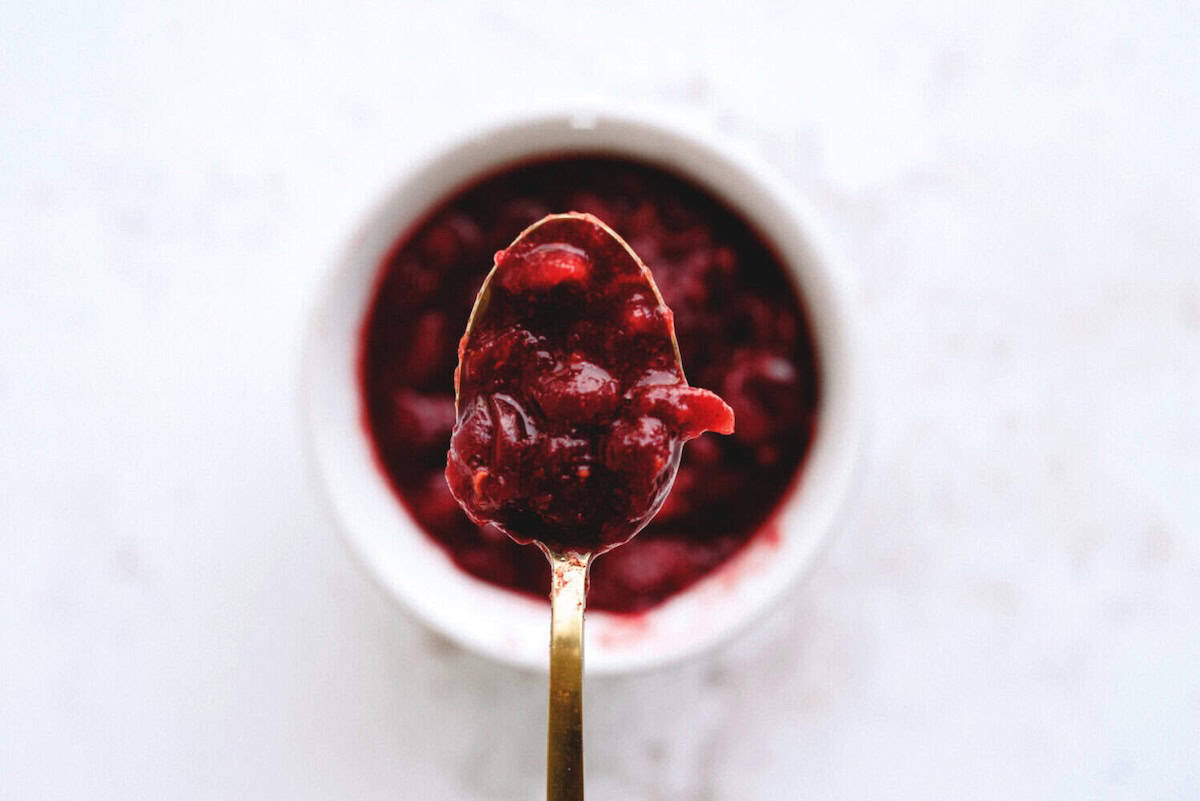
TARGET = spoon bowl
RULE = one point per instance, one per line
(571, 401)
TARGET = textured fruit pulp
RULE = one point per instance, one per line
(572, 407)
(742, 333)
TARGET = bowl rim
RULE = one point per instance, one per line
(823, 482)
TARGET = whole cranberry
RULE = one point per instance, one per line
(578, 391)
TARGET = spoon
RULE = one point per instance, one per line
(546, 258)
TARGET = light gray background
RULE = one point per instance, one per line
(1009, 609)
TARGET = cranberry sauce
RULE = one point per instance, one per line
(572, 406)
(742, 333)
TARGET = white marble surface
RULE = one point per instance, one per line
(1010, 609)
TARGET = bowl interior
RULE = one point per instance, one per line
(505, 625)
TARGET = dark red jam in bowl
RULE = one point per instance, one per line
(742, 334)
(572, 406)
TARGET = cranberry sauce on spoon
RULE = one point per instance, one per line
(572, 406)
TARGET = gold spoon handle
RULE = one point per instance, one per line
(564, 743)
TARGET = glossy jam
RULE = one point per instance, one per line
(572, 407)
(742, 333)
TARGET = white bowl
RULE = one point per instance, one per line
(505, 625)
